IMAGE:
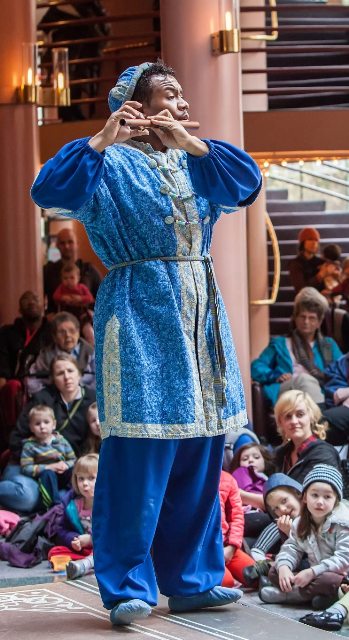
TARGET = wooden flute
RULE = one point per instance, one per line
(144, 122)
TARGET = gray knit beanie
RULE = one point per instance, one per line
(325, 473)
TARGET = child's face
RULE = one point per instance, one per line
(320, 499)
(86, 483)
(252, 458)
(93, 422)
(70, 279)
(42, 425)
(283, 503)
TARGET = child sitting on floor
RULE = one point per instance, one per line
(251, 466)
(322, 532)
(282, 499)
(74, 533)
(232, 527)
(47, 456)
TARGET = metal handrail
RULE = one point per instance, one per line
(313, 174)
(298, 183)
(274, 26)
(277, 265)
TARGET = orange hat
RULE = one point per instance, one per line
(309, 233)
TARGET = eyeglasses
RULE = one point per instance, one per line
(67, 332)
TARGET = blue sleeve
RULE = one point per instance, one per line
(226, 175)
(337, 378)
(70, 178)
(266, 368)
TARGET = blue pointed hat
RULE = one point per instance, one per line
(125, 85)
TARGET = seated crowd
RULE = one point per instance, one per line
(285, 528)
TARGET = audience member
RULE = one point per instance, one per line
(337, 401)
(282, 499)
(69, 400)
(304, 270)
(332, 257)
(20, 344)
(75, 533)
(86, 327)
(298, 422)
(94, 438)
(236, 560)
(47, 456)
(66, 339)
(68, 247)
(342, 288)
(251, 466)
(322, 532)
(298, 360)
(71, 295)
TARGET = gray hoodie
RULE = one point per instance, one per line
(327, 550)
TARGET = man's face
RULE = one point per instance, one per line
(311, 246)
(29, 306)
(307, 323)
(66, 243)
(67, 336)
(166, 94)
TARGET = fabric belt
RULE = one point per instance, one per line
(220, 381)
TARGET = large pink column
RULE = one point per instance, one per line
(20, 249)
(212, 86)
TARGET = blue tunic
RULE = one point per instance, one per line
(156, 363)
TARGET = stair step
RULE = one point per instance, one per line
(295, 80)
(279, 326)
(308, 101)
(284, 279)
(309, 220)
(285, 294)
(287, 232)
(276, 194)
(281, 310)
(278, 206)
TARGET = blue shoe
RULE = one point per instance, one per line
(129, 610)
(216, 597)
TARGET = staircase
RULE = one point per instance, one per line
(288, 218)
(308, 65)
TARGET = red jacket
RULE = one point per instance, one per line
(232, 512)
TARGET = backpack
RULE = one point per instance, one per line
(26, 533)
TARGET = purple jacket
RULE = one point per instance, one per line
(249, 480)
(70, 526)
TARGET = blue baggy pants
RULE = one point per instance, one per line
(156, 518)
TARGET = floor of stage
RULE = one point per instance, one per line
(60, 609)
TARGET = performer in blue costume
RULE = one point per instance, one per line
(168, 382)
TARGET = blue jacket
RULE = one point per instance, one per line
(276, 360)
(338, 377)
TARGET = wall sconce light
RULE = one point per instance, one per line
(227, 39)
(26, 92)
(31, 91)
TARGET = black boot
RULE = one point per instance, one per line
(252, 573)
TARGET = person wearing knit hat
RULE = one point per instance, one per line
(168, 382)
(327, 474)
(306, 269)
(322, 532)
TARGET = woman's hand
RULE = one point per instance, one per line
(284, 523)
(286, 579)
(284, 377)
(113, 131)
(303, 578)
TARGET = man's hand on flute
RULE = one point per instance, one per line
(115, 131)
(173, 135)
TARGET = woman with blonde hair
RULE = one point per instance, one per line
(299, 424)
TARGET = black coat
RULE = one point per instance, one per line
(15, 358)
(76, 427)
(317, 452)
